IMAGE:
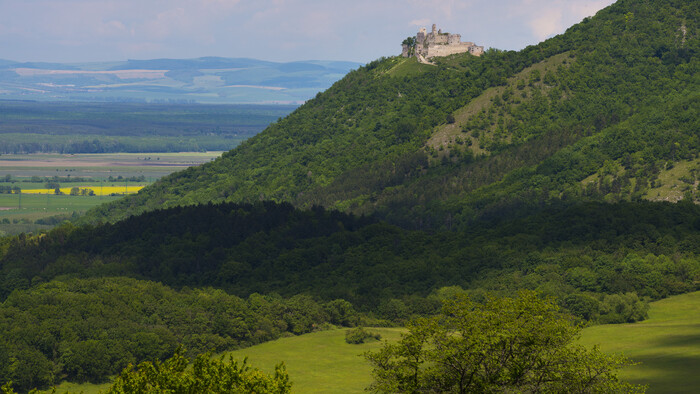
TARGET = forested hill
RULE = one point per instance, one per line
(607, 111)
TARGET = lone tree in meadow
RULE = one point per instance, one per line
(511, 345)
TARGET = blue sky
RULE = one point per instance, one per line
(277, 30)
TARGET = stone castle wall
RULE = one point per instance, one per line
(447, 50)
(437, 43)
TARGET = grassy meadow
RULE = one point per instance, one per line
(14, 220)
(320, 362)
(666, 346)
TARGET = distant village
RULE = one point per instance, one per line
(436, 43)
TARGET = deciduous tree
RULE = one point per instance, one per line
(206, 375)
(520, 344)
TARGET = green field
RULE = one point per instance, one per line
(14, 220)
(320, 362)
(75, 127)
(667, 345)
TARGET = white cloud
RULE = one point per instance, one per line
(113, 28)
(167, 22)
(221, 3)
(546, 18)
(546, 23)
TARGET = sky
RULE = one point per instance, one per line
(72, 31)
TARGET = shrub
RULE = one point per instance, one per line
(359, 335)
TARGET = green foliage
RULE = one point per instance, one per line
(85, 330)
(575, 133)
(205, 375)
(501, 345)
(590, 249)
(358, 335)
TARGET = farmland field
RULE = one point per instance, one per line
(42, 212)
(100, 165)
(105, 176)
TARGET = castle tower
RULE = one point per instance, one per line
(434, 27)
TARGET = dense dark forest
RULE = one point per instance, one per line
(647, 248)
(399, 186)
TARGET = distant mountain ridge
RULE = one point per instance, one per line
(201, 80)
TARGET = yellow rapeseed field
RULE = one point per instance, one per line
(99, 191)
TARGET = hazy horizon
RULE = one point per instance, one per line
(84, 31)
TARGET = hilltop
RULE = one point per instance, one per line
(603, 112)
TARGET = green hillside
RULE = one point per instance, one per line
(666, 346)
(578, 254)
(613, 101)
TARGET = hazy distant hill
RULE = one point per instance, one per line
(202, 80)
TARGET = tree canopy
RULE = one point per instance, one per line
(520, 344)
(206, 375)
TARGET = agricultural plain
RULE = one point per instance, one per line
(55, 187)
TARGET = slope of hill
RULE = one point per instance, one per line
(203, 80)
(595, 113)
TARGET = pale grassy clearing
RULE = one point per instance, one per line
(447, 134)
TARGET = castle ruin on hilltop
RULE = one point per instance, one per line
(436, 43)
